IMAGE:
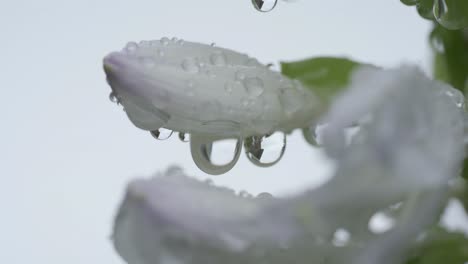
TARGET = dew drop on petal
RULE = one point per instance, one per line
(265, 151)
(218, 59)
(131, 47)
(264, 5)
(254, 86)
(165, 41)
(190, 65)
(215, 156)
(161, 134)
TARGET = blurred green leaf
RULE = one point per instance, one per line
(441, 247)
(325, 76)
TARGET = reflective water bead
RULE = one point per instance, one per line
(213, 155)
(165, 41)
(162, 134)
(267, 150)
(264, 5)
(452, 14)
(254, 86)
(189, 65)
(113, 97)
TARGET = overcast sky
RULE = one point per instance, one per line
(66, 151)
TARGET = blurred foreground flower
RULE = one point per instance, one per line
(396, 167)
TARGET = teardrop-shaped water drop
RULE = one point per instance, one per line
(264, 5)
(451, 14)
(254, 86)
(213, 155)
(265, 151)
(184, 137)
(161, 134)
(190, 65)
(113, 97)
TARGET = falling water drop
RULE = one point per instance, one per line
(214, 155)
(264, 5)
(161, 134)
(113, 97)
(184, 137)
(265, 151)
(190, 65)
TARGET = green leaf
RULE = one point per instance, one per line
(325, 76)
(441, 246)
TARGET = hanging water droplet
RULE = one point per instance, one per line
(165, 41)
(264, 5)
(161, 134)
(184, 137)
(213, 155)
(113, 97)
(131, 47)
(254, 86)
(310, 135)
(189, 65)
(218, 59)
(265, 151)
(451, 14)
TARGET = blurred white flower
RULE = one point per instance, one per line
(409, 145)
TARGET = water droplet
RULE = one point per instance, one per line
(245, 194)
(291, 100)
(451, 14)
(254, 86)
(213, 44)
(131, 47)
(165, 41)
(213, 155)
(144, 43)
(189, 65)
(437, 44)
(341, 237)
(380, 223)
(218, 59)
(264, 196)
(184, 137)
(265, 151)
(240, 75)
(174, 39)
(161, 134)
(264, 5)
(113, 97)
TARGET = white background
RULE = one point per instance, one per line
(66, 152)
